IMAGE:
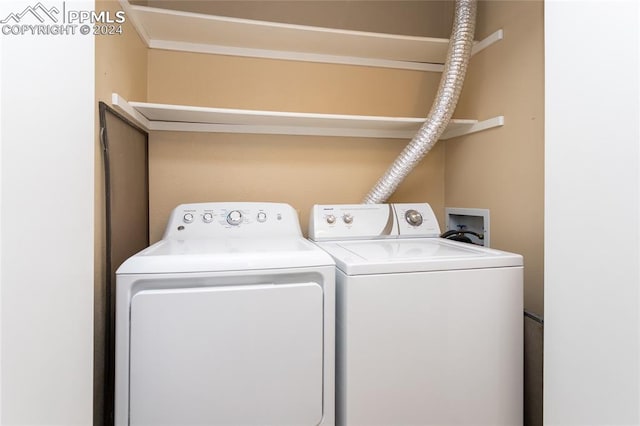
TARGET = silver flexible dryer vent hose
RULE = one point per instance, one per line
(448, 93)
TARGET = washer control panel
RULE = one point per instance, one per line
(211, 220)
(369, 221)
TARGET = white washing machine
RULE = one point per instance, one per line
(429, 331)
(228, 320)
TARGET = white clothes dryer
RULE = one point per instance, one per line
(429, 331)
(228, 320)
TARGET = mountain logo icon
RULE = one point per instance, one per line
(40, 12)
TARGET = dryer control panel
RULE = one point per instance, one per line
(369, 221)
(232, 219)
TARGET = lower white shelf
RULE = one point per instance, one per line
(223, 120)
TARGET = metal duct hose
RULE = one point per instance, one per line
(448, 93)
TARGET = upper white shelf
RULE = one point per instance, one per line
(195, 32)
(223, 120)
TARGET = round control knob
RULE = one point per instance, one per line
(331, 219)
(347, 218)
(413, 217)
(262, 217)
(207, 217)
(187, 218)
(234, 218)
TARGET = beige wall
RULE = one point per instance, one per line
(299, 170)
(238, 82)
(121, 66)
(503, 169)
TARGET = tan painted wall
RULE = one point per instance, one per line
(121, 66)
(302, 171)
(503, 169)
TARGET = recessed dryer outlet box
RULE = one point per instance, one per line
(476, 220)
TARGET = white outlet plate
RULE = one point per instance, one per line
(476, 220)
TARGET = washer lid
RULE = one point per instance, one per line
(414, 255)
(225, 254)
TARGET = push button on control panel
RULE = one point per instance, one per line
(262, 217)
(207, 217)
(187, 218)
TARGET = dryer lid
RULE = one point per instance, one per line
(226, 254)
(414, 255)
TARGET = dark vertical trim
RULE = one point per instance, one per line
(108, 297)
(107, 366)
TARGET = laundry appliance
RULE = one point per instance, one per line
(228, 320)
(429, 331)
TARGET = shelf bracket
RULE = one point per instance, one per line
(487, 41)
(123, 106)
(467, 129)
